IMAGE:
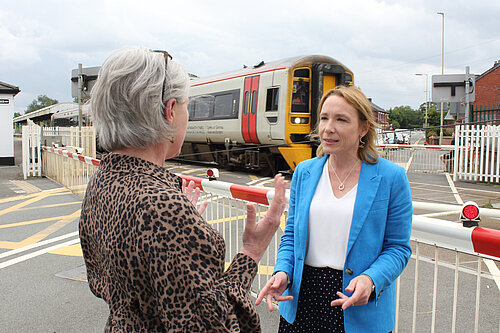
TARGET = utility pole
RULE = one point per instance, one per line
(426, 124)
(442, 73)
(467, 91)
(80, 88)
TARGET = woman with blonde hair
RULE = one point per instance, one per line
(348, 229)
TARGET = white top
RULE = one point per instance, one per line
(329, 224)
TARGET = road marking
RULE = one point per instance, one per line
(454, 189)
(42, 243)
(19, 224)
(24, 185)
(63, 221)
(57, 191)
(52, 205)
(36, 254)
(495, 272)
(194, 170)
(50, 229)
(74, 250)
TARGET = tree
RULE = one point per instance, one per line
(405, 117)
(40, 102)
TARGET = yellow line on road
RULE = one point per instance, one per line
(74, 250)
(194, 170)
(63, 220)
(19, 224)
(52, 206)
(50, 229)
(57, 191)
(23, 204)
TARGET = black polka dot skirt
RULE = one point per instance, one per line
(314, 313)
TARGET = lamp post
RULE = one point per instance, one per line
(442, 73)
(426, 97)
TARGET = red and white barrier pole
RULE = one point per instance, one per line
(450, 235)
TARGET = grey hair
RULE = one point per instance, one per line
(126, 100)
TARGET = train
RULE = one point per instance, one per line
(69, 117)
(260, 117)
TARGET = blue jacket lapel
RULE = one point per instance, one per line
(368, 183)
(308, 183)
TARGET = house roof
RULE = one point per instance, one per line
(377, 108)
(6, 88)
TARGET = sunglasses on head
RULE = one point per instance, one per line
(166, 55)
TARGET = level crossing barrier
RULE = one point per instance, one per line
(451, 283)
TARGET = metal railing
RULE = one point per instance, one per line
(417, 158)
(451, 283)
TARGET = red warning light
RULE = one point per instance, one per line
(210, 173)
(470, 211)
(470, 214)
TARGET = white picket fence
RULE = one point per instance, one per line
(32, 138)
(476, 153)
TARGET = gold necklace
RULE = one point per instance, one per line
(341, 186)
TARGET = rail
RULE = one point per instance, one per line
(451, 283)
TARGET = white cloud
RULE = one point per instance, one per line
(384, 42)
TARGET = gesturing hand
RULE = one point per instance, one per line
(193, 197)
(274, 289)
(257, 235)
(362, 287)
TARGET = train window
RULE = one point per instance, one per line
(303, 72)
(191, 106)
(272, 100)
(226, 104)
(254, 101)
(300, 96)
(203, 107)
(223, 106)
(246, 101)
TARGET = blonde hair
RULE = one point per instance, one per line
(367, 152)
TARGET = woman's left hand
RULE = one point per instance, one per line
(362, 288)
(193, 197)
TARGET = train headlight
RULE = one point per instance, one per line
(300, 120)
(470, 214)
(213, 174)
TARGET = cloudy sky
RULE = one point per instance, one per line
(385, 43)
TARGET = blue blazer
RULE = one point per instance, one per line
(378, 245)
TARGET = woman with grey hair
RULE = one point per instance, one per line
(149, 253)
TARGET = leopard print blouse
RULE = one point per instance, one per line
(154, 260)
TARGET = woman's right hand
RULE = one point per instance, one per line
(257, 235)
(274, 289)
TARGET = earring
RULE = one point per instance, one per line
(171, 139)
(361, 143)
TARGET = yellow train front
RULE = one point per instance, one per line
(259, 117)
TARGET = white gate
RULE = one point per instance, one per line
(476, 153)
(32, 140)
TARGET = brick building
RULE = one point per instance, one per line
(488, 86)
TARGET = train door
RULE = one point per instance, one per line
(324, 78)
(249, 118)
